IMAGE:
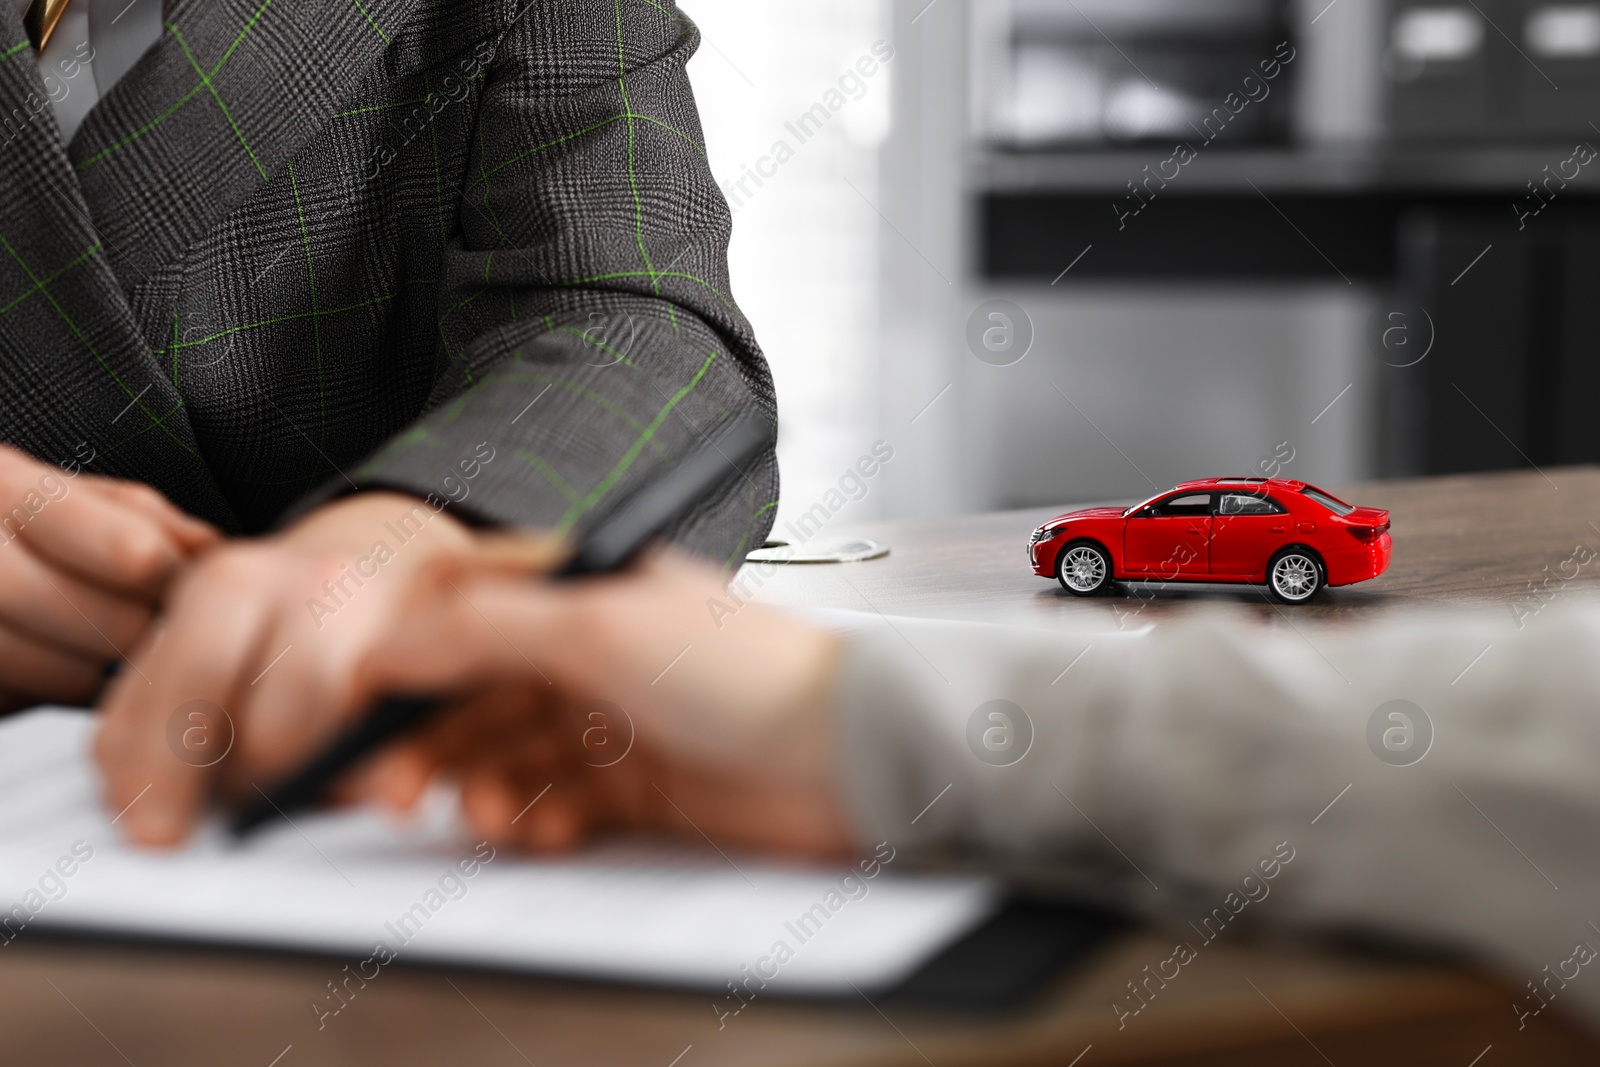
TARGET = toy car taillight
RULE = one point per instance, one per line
(1367, 534)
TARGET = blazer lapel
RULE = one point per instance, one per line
(77, 381)
(232, 90)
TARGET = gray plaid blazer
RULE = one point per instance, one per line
(467, 249)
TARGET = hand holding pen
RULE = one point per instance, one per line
(291, 750)
(617, 703)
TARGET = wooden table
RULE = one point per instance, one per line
(1468, 538)
(1474, 537)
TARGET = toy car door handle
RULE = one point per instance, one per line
(1278, 529)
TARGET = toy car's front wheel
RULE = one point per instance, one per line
(1083, 568)
(1294, 576)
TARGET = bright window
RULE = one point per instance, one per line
(792, 130)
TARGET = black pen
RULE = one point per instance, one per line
(608, 545)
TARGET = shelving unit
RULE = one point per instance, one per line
(1243, 296)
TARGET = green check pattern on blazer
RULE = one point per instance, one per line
(311, 245)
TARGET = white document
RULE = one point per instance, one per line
(347, 883)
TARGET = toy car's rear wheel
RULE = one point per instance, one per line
(1083, 568)
(1294, 576)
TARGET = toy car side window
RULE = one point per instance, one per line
(1247, 504)
(1183, 504)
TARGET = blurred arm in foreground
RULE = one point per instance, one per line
(1212, 771)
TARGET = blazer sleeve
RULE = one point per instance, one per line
(1218, 773)
(587, 333)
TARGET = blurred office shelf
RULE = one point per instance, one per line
(1231, 236)
(1354, 170)
(1036, 163)
(1130, 71)
(1491, 70)
(1048, 74)
(1262, 140)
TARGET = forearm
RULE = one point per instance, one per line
(1164, 769)
(586, 333)
(554, 432)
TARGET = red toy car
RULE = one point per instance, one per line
(1293, 537)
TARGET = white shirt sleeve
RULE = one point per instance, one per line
(94, 45)
(66, 66)
(1168, 773)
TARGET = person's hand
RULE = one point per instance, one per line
(254, 658)
(83, 563)
(615, 702)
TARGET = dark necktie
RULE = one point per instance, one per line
(41, 19)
